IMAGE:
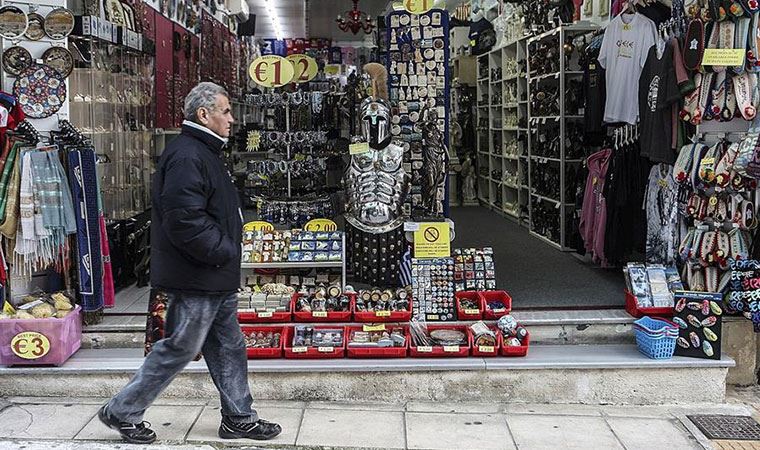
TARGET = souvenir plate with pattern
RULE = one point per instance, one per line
(40, 91)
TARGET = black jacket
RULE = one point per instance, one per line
(196, 227)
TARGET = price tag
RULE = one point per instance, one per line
(271, 71)
(379, 327)
(433, 317)
(382, 313)
(305, 68)
(451, 348)
(299, 349)
(425, 349)
(418, 6)
(486, 348)
(499, 310)
(258, 225)
(358, 148)
(319, 314)
(325, 349)
(30, 345)
(470, 312)
(320, 225)
(264, 315)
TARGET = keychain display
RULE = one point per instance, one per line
(433, 289)
(295, 212)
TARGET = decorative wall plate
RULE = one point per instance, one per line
(59, 23)
(60, 59)
(36, 29)
(16, 60)
(40, 91)
(13, 22)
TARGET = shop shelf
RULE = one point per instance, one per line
(311, 352)
(632, 307)
(546, 239)
(292, 264)
(483, 350)
(322, 316)
(376, 352)
(469, 314)
(494, 296)
(381, 316)
(251, 316)
(435, 351)
(264, 353)
(506, 350)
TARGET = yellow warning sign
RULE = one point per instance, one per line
(432, 240)
(723, 57)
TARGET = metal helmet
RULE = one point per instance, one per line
(376, 122)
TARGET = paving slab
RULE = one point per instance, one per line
(644, 412)
(269, 404)
(51, 421)
(346, 428)
(357, 406)
(457, 431)
(455, 407)
(551, 410)
(56, 400)
(207, 426)
(646, 434)
(566, 432)
(74, 445)
(171, 423)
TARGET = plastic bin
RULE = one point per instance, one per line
(264, 353)
(381, 316)
(438, 351)
(507, 350)
(311, 352)
(322, 316)
(470, 314)
(654, 337)
(40, 341)
(492, 296)
(632, 307)
(482, 350)
(376, 352)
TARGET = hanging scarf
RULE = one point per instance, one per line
(10, 217)
(109, 295)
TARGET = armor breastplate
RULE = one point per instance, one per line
(376, 187)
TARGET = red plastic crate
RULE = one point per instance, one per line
(468, 314)
(267, 317)
(484, 350)
(322, 316)
(440, 351)
(374, 352)
(506, 350)
(492, 296)
(381, 316)
(311, 352)
(264, 353)
(633, 308)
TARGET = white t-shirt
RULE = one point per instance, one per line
(624, 51)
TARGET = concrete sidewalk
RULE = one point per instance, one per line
(66, 423)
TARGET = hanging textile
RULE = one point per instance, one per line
(109, 296)
(10, 216)
(594, 213)
(83, 179)
(662, 216)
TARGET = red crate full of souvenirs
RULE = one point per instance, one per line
(49, 341)
(321, 315)
(394, 306)
(434, 351)
(484, 349)
(514, 350)
(469, 305)
(310, 346)
(263, 342)
(632, 307)
(496, 304)
(392, 351)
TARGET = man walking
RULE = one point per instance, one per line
(196, 231)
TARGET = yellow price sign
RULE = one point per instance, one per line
(319, 314)
(320, 225)
(380, 327)
(265, 315)
(258, 225)
(30, 345)
(305, 68)
(382, 313)
(486, 348)
(418, 6)
(451, 348)
(358, 148)
(471, 312)
(299, 349)
(425, 349)
(723, 57)
(325, 349)
(271, 71)
(432, 240)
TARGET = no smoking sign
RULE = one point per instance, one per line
(432, 240)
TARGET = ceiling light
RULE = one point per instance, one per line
(353, 20)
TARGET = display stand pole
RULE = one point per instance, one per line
(287, 129)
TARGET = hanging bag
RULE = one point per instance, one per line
(747, 162)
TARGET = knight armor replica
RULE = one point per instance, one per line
(376, 183)
(376, 188)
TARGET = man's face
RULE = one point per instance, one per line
(219, 118)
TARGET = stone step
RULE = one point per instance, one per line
(597, 374)
(609, 326)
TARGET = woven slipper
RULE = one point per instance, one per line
(694, 46)
(744, 91)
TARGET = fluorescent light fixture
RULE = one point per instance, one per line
(274, 18)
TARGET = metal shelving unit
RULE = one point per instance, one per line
(563, 205)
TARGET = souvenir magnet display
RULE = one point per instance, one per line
(699, 318)
(59, 23)
(40, 91)
(16, 60)
(13, 22)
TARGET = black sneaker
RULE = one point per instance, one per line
(134, 433)
(261, 430)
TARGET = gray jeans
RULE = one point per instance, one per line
(194, 323)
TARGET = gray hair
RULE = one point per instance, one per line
(203, 95)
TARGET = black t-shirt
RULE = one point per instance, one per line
(658, 89)
(656, 11)
(594, 90)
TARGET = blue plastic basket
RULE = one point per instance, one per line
(654, 338)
